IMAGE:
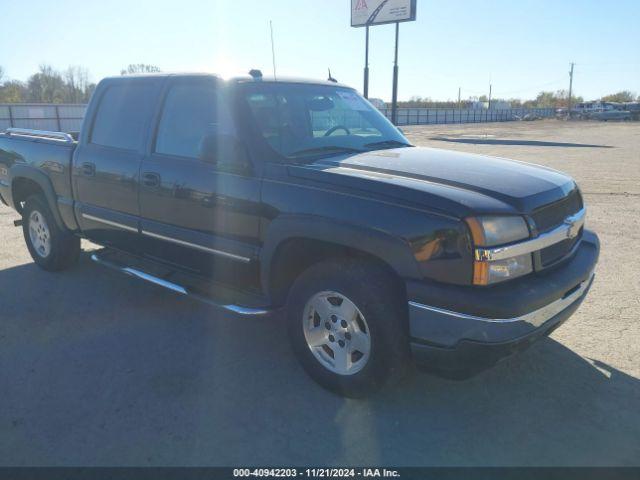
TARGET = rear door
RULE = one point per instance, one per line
(199, 215)
(107, 162)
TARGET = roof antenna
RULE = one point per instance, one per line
(273, 51)
(331, 79)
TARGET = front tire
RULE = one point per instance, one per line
(51, 248)
(347, 323)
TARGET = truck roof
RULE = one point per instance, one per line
(233, 79)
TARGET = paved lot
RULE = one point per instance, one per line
(99, 369)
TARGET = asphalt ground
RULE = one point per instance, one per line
(101, 369)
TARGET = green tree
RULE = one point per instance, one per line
(139, 68)
(77, 88)
(46, 86)
(623, 96)
(13, 91)
(49, 86)
(515, 102)
(559, 99)
(545, 99)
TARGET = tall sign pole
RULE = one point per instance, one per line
(369, 13)
(366, 65)
(394, 95)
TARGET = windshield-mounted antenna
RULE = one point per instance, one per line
(331, 79)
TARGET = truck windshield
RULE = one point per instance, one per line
(303, 121)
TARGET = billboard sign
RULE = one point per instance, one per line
(377, 12)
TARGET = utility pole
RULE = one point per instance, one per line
(570, 88)
(366, 65)
(489, 106)
(458, 98)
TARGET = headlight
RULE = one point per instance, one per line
(495, 230)
(492, 231)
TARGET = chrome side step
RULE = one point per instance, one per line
(174, 287)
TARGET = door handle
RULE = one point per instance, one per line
(89, 169)
(150, 179)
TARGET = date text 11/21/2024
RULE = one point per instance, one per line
(316, 473)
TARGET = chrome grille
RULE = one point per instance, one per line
(553, 214)
(556, 252)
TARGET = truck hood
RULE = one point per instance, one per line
(456, 183)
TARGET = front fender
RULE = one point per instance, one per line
(392, 250)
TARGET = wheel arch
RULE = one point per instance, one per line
(295, 244)
(26, 181)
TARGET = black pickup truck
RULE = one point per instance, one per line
(254, 195)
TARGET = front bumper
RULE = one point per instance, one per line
(459, 331)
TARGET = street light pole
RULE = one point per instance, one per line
(394, 95)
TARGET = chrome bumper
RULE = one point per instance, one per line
(447, 327)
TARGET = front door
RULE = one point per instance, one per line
(194, 213)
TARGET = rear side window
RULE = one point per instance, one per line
(190, 112)
(122, 116)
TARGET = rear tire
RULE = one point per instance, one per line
(376, 342)
(51, 248)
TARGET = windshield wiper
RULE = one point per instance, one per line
(388, 143)
(327, 148)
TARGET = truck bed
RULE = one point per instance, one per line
(49, 152)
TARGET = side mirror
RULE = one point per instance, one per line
(222, 148)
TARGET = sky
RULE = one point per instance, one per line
(519, 46)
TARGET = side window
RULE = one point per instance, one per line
(190, 112)
(122, 115)
(271, 114)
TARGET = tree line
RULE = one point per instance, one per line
(73, 85)
(545, 99)
(48, 85)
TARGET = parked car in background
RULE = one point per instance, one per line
(634, 109)
(610, 114)
(603, 111)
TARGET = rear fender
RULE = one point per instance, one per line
(24, 171)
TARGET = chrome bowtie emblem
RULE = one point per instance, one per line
(572, 229)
